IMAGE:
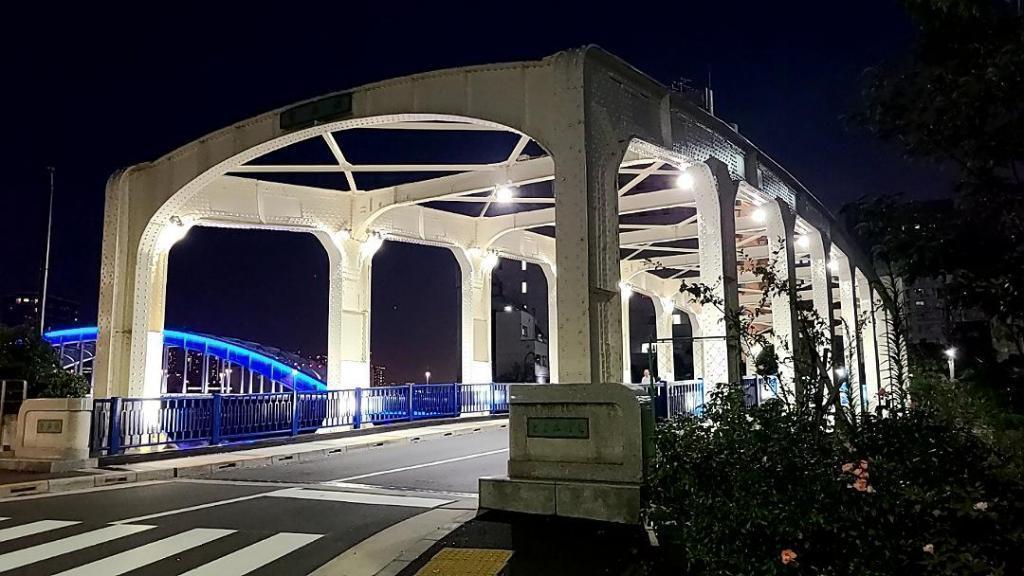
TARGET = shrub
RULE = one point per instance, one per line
(768, 490)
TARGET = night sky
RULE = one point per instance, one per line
(89, 92)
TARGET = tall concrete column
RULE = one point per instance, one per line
(868, 340)
(781, 223)
(626, 294)
(716, 232)
(476, 266)
(849, 313)
(549, 277)
(348, 312)
(886, 355)
(821, 288)
(587, 249)
(153, 374)
(664, 310)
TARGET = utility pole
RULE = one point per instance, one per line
(46, 260)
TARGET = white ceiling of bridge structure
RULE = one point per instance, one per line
(503, 181)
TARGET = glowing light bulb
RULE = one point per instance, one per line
(504, 194)
(686, 181)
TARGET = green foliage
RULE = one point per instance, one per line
(26, 356)
(734, 489)
(957, 100)
(767, 361)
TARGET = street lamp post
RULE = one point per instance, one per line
(46, 259)
(427, 375)
(951, 361)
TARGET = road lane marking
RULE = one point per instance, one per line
(361, 498)
(254, 556)
(149, 553)
(33, 528)
(191, 508)
(40, 552)
(418, 466)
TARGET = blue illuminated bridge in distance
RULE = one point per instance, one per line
(259, 367)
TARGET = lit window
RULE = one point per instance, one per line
(645, 347)
(919, 303)
(677, 319)
(524, 331)
(523, 287)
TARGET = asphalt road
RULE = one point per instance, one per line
(277, 520)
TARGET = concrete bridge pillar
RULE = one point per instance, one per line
(348, 311)
(625, 295)
(664, 309)
(849, 328)
(781, 225)
(550, 278)
(476, 266)
(867, 339)
(820, 247)
(716, 231)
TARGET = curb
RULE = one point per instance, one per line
(55, 485)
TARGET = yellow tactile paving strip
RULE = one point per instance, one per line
(466, 562)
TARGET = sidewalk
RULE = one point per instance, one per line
(158, 466)
(501, 543)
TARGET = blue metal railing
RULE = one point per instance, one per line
(186, 421)
(760, 388)
(684, 397)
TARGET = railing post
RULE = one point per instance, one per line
(492, 387)
(457, 400)
(216, 421)
(357, 414)
(295, 412)
(114, 431)
(410, 403)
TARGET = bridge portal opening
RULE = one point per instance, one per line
(265, 290)
(415, 320)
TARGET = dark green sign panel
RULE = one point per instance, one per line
(573, 428)
(317, 112)
(49, 426)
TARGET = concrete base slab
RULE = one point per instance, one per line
(46, 465)
(607, 502)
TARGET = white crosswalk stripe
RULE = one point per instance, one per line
(254, 556)
(40, 552)
(33, 528)
(234, 563)
(235, 560)
(148, 553)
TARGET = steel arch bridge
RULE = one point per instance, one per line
(259, 368)
(610, 181)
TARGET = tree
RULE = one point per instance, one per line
(26, 356)
(957, 101)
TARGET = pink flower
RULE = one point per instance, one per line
(788, 556)
(928, 549)
(860, 485)
(848, 467)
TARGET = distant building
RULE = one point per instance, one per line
(520, 349)
(377, 375)
(928, 314)
(22, 309)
